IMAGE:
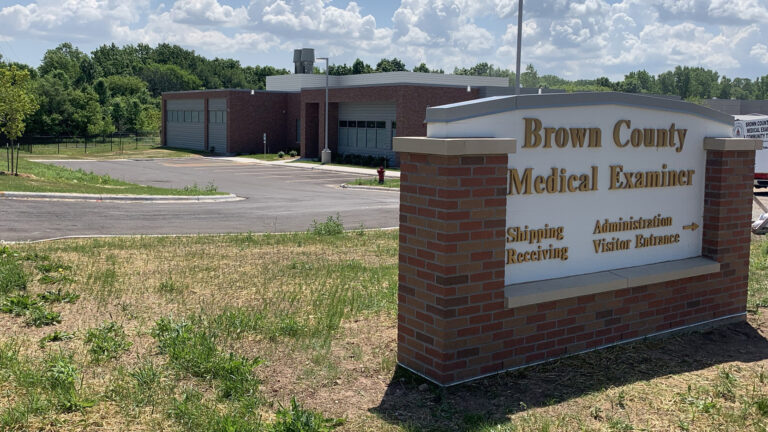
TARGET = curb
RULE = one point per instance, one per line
(376, 188)
(118, 198)
(333, 168)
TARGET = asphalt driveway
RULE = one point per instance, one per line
(277, 199)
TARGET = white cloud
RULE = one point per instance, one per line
(208, 12)
(570, 38)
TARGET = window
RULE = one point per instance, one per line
(195, 117)
(187, 116)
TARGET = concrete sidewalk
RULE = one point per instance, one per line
(63, 196)
(311, 166)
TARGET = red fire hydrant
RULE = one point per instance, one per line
(380, 172)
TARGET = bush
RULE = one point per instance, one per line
(361, 160)
(330, 227)
(293, 153)
(280, 154)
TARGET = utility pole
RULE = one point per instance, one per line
(519, 44)
(325, 156)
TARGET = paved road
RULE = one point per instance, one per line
(278, 199)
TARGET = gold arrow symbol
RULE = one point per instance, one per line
(691, 227)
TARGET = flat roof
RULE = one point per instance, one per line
(499, 104)
(296, 82)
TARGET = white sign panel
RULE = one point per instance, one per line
(594, 188)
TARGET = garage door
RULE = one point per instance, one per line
(217, 125)
(366, 128)
(185, 124)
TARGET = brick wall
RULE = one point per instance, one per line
(452, 323)
(249, 116)
(411, 102)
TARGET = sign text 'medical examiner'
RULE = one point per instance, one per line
(559, 180)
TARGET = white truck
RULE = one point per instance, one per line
(755, 126)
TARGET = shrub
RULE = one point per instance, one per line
(330, 227)
(293, 153)
(280, 154)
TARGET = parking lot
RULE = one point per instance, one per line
(277, 199)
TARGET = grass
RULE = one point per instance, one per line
(388, 182)
(146, 149)
(297, 332)
(41, 177)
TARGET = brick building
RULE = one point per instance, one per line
(364, 112)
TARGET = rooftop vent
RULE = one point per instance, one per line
(304, 60)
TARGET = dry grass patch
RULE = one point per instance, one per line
(312, 318)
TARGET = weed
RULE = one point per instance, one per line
(18, 304)
(58, 297)
(298, 419)
(106, 342)
(194, 415)
(168, 286)
(330, 227)
(52, 267)
(39, 316)
(234, 322)
(57, 278)
(56, 336)
(619, 425)
(12, 275)
(208, 189)
(61, 379)
(194, 351)
(725, 384)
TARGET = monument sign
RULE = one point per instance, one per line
(574, 221)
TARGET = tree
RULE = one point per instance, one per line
(16, 104)
(393, 65)
(162, 78)
(358, 67)
(529, 78)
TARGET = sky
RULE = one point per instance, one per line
(570, 38)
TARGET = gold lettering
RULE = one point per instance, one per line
(617, 133)
(548, 131)
(561, 137)
(577, 137)
(681, 135)
(532, 133)
(518, 185)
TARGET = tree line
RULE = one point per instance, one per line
(117, 89)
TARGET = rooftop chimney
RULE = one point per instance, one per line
(304, 61)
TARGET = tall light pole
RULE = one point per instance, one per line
(325, 155)
(519, 43)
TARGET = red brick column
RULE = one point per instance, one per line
(452, 219)
(727, 214)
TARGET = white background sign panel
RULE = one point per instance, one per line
(577, 213)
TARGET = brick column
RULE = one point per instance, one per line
(727, 214)
(452, 220)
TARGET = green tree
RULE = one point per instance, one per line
(393, 65)
(167, 77)
(16, 104)
(358, 67)
(530, 78)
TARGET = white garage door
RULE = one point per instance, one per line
(185, 124)
(366, 128)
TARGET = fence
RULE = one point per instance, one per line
(116, 142)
